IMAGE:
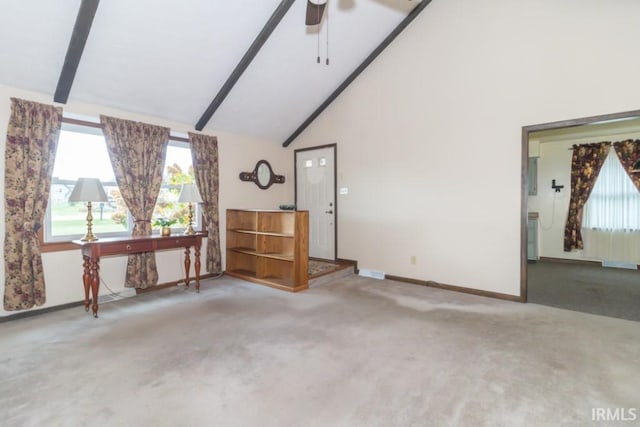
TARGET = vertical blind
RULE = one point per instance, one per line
(611, 223)
(614, 203)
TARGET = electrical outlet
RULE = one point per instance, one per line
(413, 259)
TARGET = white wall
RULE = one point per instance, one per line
(63, 270)
(429, 136)
(554, 163)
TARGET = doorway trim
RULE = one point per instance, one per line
(334, 146)
(524, 195)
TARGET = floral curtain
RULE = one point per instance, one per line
(586, 163)
(629, 152)
(204, 153)
(137, 151)
(32, 139)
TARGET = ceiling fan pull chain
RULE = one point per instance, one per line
(318, 32)
(327, 60)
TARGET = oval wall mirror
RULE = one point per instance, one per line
(262, 175)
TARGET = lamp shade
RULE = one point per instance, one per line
(189, 194)
(88, 190)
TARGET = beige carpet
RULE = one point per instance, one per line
(355, 352)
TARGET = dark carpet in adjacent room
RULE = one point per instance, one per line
(612, 292)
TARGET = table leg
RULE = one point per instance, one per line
(86, 281)
(197, 267)
(95, 284)
(187, 265)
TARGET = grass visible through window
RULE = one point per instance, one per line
(71, 219)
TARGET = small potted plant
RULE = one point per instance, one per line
(165, 224)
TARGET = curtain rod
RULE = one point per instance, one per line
(99, 126)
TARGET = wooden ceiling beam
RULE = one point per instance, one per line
(368, 60)
(251, 53)
(79, 36)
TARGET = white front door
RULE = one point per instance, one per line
(316, 193)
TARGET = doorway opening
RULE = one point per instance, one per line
(553, 277)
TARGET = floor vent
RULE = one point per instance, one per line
(371, 273)
(620, 264)
(125, 293)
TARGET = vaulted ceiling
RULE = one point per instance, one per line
(172, 59)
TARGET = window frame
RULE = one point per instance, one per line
(50, 244)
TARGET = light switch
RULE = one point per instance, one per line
(344, 190)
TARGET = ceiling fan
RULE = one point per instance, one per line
(316, 11)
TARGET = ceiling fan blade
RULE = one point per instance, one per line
(315, 12)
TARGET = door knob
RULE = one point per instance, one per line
(330, 211)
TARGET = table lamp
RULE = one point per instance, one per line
(88, 190)
(189, 194)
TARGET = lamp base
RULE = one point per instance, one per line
(89, 237)
(189, 231)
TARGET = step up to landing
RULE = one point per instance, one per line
(324, 272)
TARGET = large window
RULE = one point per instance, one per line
(614, 203)
(82, 152)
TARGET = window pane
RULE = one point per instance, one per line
(178, 171)
(82, 155)
(614, 202)
(79, 155)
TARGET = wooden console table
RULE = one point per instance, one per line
(92, 251)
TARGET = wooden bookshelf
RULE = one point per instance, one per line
(269, 247)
